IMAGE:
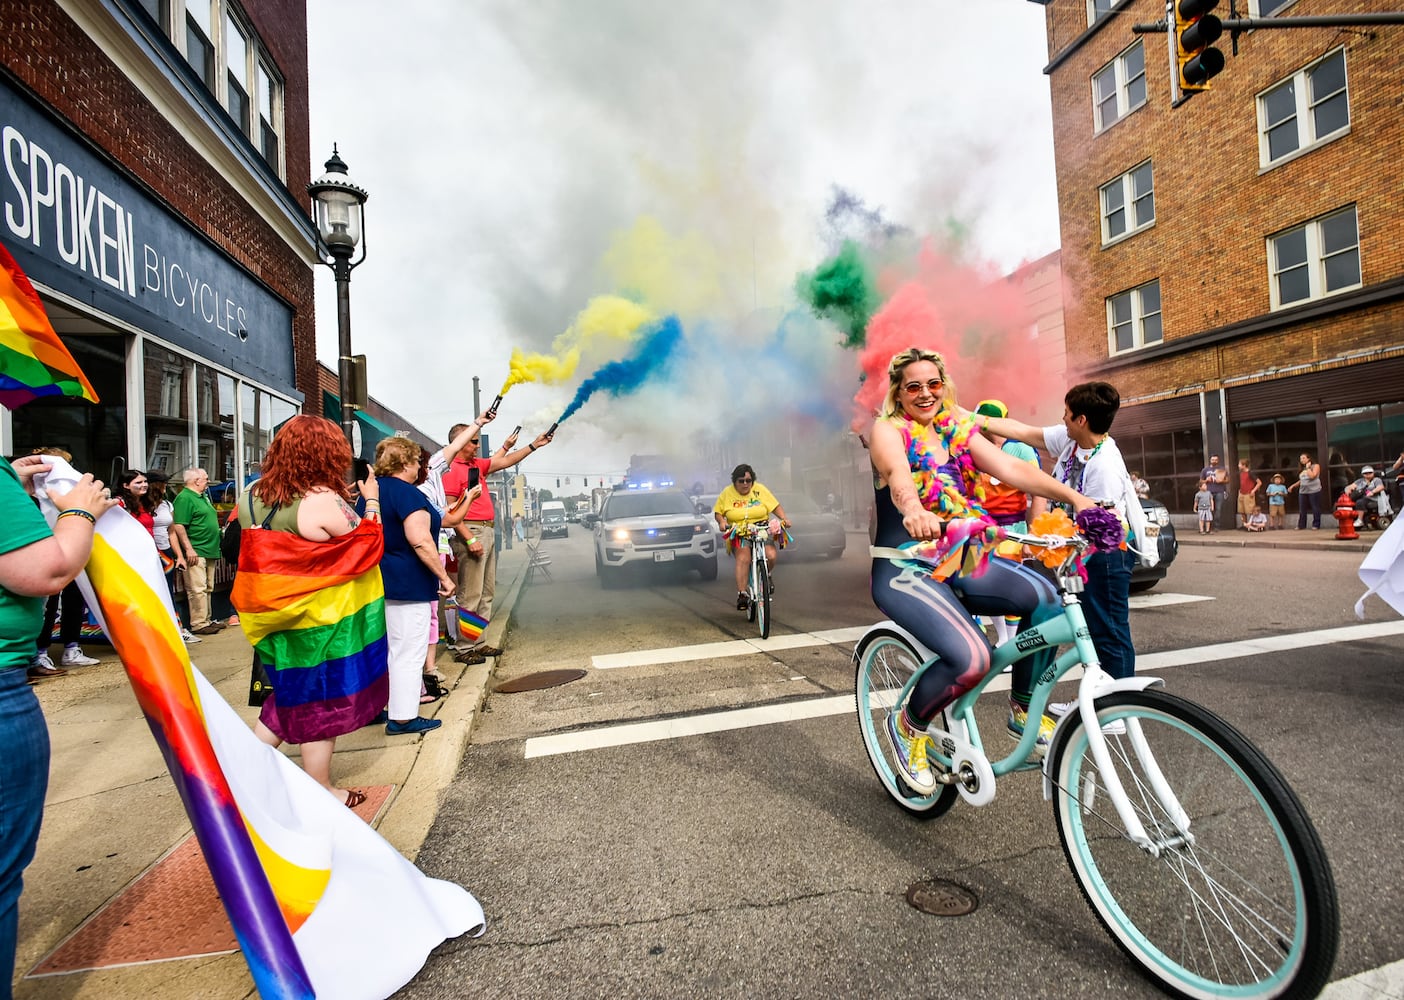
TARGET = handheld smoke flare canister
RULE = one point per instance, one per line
(492, 410)
(552, 429)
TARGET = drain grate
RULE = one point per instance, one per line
(537, 681)
(941, 898)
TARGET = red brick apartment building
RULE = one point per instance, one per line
(1234, 264)
(153, 170)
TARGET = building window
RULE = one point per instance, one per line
(1133, 318)
(171, 384)
(199, 40)
(1098, 9)
(217, 34)
(1315, 260)
(1128, 203)
(1120, 87)
(1305, 110)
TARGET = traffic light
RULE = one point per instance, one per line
(558, 482)
(1196, 31)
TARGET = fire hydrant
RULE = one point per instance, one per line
(1345, 518)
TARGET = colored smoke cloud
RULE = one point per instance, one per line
(650, 358)
(607, 323)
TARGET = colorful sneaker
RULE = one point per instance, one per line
(232, 620)
(73, 656)
(911, 754)
(742, 601)
(1018, 717)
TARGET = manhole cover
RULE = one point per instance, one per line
(941, 898)
(540, 679)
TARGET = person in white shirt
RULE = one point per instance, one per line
(1088, 460)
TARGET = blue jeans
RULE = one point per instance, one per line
(1308, 502)
(1106, 603)
(24, 779)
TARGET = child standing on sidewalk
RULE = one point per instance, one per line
(1277, 503)
(1204, 508)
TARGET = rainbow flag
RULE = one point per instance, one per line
(471, 626)
(315, 612)
(306, 884)
(33, 361)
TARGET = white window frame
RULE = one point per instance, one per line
(1307, 140)
(1138, 319)
(1098, 9)
(256, 58)
(1315, 260)
(1255, 8)
(1128, 204)
(1118, 68)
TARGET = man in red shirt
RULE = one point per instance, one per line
(474, 542)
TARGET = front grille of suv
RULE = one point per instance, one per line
(680, 535)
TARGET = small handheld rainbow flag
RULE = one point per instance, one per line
(33, 361)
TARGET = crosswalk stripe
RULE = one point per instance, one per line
(717, 650)
(812, 708)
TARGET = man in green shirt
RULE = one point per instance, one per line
(195, 534)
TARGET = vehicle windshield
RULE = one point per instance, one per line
(646, 505)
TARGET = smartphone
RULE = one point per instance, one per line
(516, 430)
(360, 470)
(473, 476)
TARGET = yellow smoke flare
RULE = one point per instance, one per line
(606, 323)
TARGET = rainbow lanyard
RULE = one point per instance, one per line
(1081, 472)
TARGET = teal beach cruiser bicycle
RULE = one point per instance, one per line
(1189, 846)
(757, 535)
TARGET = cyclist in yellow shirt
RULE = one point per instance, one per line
(746, 501)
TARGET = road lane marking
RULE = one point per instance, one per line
(748, 647)
(717, 650)
(812, 708)
(1164, 600)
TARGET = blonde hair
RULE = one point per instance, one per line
(394, 455)
(898, 366)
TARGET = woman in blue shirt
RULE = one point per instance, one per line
(414, 576)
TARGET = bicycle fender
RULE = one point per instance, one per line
(1111, 687)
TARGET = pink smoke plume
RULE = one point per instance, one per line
(976, 318)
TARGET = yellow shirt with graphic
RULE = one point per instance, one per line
(754, 506)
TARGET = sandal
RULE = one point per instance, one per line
(428, 698)
(354, 797)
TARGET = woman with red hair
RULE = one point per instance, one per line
(309, 594)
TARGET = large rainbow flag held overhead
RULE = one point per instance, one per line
(308, 886)
(33, 361)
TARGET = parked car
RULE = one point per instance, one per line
(638, 527)
(814, 531)
(1145, 577)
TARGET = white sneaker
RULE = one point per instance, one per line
(42, 660)
(189, 639)
(73, 656)
(1060, 708)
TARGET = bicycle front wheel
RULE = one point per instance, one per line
(751, 592)
(884, 665)
(762, 601)
(1242, 904)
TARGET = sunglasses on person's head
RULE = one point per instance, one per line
(914, 388)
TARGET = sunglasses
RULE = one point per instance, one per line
(744, 479)
(914, 388)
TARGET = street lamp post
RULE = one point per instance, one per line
(338, 207)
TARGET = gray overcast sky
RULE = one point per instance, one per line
(522, 157)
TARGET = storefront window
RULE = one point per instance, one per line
(1169, 462)
(96, 436)
(167, 381)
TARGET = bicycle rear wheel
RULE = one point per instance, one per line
(762, 600)
(884, 663)
(1243, 907)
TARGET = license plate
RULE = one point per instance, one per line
(666, 556)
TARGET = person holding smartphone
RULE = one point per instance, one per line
(474, 543)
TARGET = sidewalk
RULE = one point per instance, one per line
(116, 888)
(1322, 540)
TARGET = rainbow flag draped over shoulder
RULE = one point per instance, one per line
(33, 361)
(315, 612)
(309, 888)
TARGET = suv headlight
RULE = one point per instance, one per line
(1161, 513)
(620, 534)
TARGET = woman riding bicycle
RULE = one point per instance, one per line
(927, 460)
(745, 502)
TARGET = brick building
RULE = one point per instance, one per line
(1232, 264)
(155, 166)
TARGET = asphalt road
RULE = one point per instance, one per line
(767, 861)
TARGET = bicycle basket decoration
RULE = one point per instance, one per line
(1054, 522)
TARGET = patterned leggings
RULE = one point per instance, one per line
(939, 613)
